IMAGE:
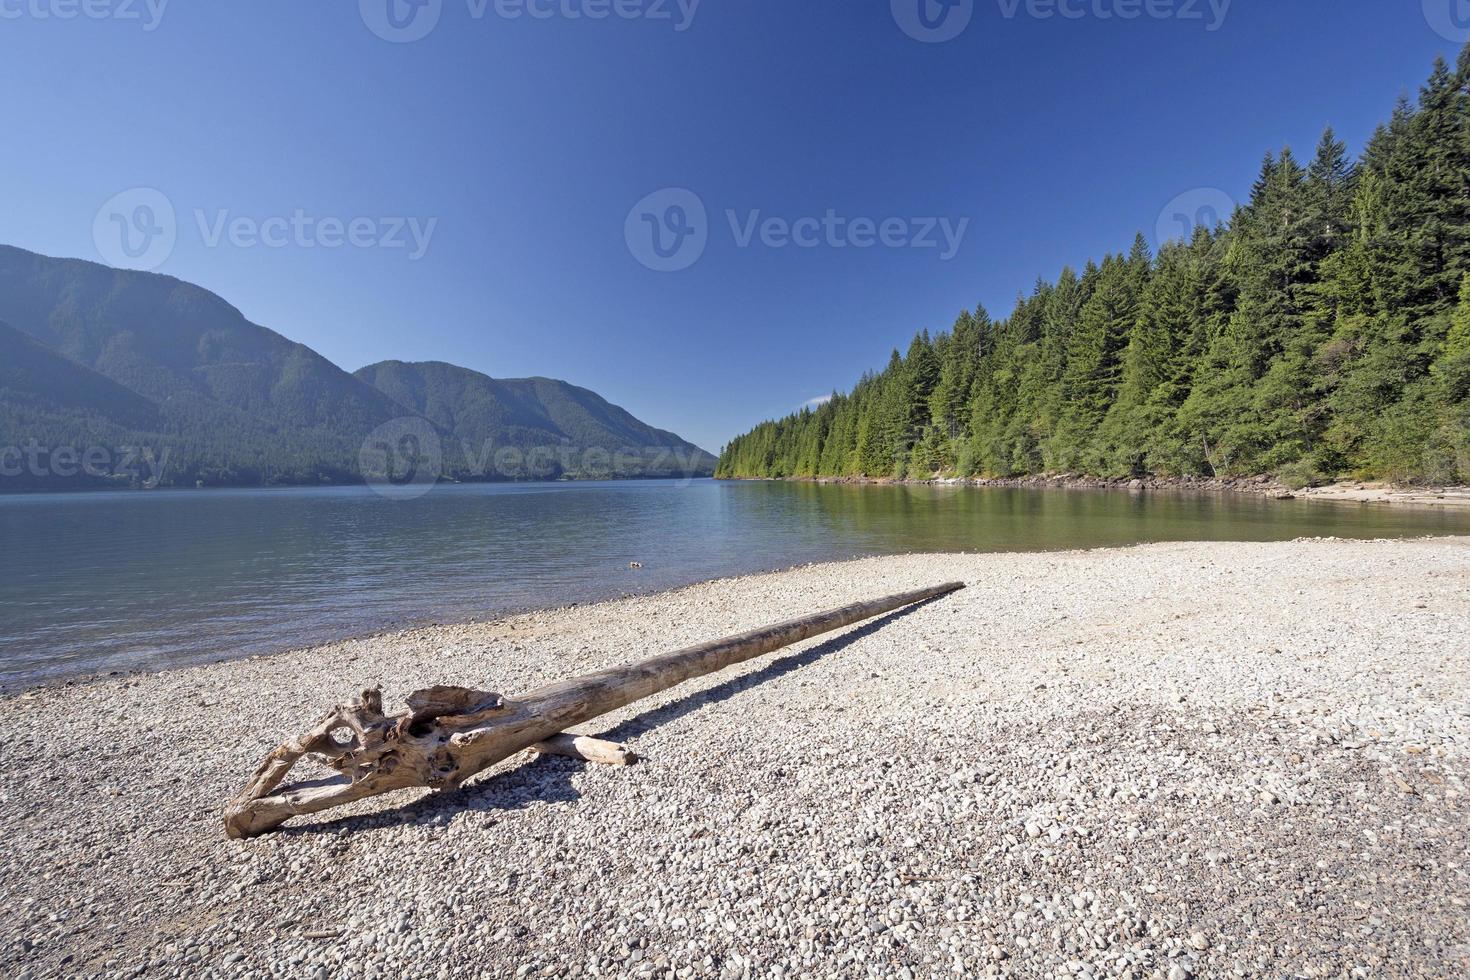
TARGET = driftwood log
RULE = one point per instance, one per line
(449, 734)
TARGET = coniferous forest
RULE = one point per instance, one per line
(1323, 331)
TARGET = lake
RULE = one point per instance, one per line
(118, 581)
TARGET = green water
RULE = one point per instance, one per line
(105, 581)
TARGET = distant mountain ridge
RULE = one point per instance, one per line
(94, 358)
(473, 406)
(559, 423)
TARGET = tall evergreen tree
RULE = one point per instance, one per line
(1325, 330)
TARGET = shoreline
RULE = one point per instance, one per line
(1343, 491)
(1173, 750)
(64, 678)
(208, 642)
(34, 687)
(333, 485)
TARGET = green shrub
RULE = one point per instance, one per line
(1300, 475)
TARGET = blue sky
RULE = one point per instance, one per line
(532, 152)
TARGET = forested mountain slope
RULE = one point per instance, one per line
(1324, 330)
(123, 366)
(528, 414)
(36, 378)
(167, 340)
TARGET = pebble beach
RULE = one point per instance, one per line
(1167, 761)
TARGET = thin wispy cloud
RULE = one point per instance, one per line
(817, 402)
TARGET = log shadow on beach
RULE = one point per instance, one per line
(647, 721)
(547, 779)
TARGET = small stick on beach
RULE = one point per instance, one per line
(587, 749)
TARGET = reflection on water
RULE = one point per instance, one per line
(120, 580)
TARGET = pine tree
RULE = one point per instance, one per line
(1324, 330)
(1452, 368)
(947, 402)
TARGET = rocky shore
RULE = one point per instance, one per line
(1267, 486)
(1262, 485)
(1171, 761)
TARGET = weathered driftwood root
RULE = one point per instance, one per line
(587, 749)
(449, 734)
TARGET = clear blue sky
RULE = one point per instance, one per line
(530, 139)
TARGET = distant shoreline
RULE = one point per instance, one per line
(330, 485)
(1346, 491)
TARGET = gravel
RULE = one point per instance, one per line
(1172, 761)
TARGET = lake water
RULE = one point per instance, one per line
(116, 581)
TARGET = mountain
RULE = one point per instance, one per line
(48, 401)
(37, 379)
(1320, 330)
(170, 340)
(578, 429)
(165, 383)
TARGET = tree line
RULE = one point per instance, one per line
(1322, 331)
